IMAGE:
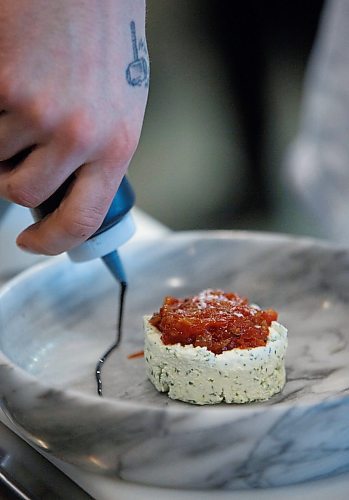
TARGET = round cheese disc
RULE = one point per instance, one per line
(197, 375)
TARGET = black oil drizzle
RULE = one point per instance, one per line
(103, 358)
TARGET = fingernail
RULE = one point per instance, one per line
(26, 249)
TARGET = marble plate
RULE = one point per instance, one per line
(58, 317)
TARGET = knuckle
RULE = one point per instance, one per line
(39, 113)
(79, 131)
(23, 195)
(84, 222)
(125, 143)
(8, 90)
(129, 145)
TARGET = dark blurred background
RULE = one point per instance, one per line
(224, 105)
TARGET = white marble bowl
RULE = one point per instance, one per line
(57, 318)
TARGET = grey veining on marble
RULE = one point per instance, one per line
(57, 319)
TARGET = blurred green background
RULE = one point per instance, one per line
(224, 105)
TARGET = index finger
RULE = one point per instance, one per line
(80, 213)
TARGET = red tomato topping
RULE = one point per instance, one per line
(214, 319)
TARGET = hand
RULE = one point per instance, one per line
(73, 91)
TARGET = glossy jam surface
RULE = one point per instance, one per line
(214, 319)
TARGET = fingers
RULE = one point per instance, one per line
(34, 175)
(15, 135)
(80, 213)
(39, 175)
(48, 165)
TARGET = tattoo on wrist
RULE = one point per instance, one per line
(137, 72)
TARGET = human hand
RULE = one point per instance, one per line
(73, 90)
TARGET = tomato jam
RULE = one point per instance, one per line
(214, 319)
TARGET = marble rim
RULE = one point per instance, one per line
(69, 394)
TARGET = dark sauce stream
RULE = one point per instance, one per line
(103, 358)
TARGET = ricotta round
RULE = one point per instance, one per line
(197, 375)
